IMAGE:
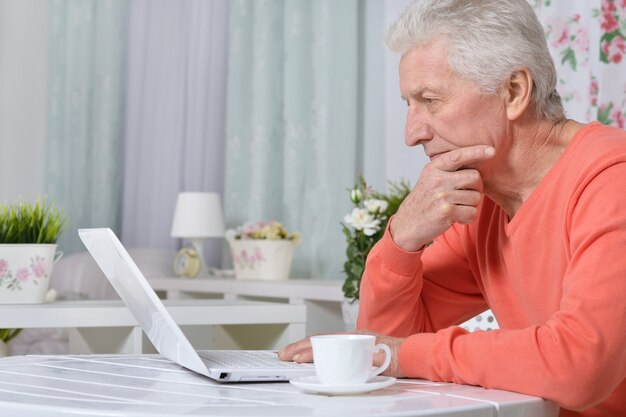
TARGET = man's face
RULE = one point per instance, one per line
(446, 112)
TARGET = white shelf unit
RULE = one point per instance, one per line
(207, 323)
(321, 297)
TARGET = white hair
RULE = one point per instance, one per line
(487, 41)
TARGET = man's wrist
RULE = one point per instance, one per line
(409, 245)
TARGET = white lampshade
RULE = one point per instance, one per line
(198, 215)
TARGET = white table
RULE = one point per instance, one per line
(272, 324)
(322, 297)
(148, 385)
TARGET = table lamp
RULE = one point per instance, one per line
(198, 216)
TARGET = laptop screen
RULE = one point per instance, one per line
(138, 295)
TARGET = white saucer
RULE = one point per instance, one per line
(312, 384)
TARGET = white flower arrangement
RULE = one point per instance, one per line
(365, 225)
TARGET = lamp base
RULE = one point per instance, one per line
(205, 270)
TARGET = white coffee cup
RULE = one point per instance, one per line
(346, 359)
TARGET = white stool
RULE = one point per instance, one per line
(483, 321)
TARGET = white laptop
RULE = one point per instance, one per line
(164, 333)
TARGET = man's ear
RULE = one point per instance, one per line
(517, 93)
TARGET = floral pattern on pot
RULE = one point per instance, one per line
(13, 278)
(262, 259)
(244, 260)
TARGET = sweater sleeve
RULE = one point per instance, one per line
(399, 299)
(575, 358)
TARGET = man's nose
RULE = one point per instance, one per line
(416, 131)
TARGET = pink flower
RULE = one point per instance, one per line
(615, 49)
(609, 21)
(608, 5)
(559, 33)
(594, 88)
(39, 268)
(581, 41)
(22, 274)
(249, 230)
(4, 267)
(258, 255)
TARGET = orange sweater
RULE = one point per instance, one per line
(554, 276)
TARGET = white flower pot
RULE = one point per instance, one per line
(350, 311)
(262, 259)
(25, 271)
(4, 349)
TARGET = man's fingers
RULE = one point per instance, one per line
(462, 157)
(457, 206)
(293, 351)
(458, 198)
(464, 179)
(304, 356)
(448, 191)
(465, 214)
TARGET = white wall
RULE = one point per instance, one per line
(385, 155)
(23, 73)
(401, 161)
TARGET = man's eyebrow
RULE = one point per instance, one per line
(419, 91)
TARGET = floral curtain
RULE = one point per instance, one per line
(588, 44)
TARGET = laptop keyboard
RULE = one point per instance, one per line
(242, 359)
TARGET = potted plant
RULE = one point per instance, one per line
(28, 235)
(262, 251)
(363, 227)
(5, 337)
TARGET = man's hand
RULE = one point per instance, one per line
(447, 192)
(301, 352)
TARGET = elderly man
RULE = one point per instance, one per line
(526, 210)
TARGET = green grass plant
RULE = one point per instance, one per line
(23, 222)
(7, 334)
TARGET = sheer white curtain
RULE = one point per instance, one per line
(293, 110)
(175, 113)
(60, 89)
(85, 113)
(23, 76)
(312, 104)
